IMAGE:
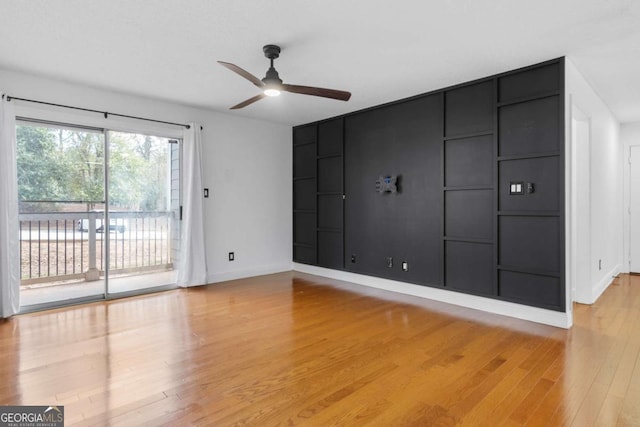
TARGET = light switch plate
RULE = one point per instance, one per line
(516, 188)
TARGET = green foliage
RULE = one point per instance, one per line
(68, 165)
(40, 165)
(84, 156)
(138, 168)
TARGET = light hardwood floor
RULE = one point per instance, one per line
(295, 349)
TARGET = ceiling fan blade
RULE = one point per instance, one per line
(318, 91)
(244, 73)
(248, 101)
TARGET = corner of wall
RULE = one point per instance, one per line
(605, 192)
(604, 283)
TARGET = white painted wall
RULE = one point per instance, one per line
(581, 201)
(630, 136)
(605, 225)
(247, 167)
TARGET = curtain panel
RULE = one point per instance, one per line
(9, 225)
(192, 264)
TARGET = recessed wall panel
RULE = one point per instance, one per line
(469, 214)
(536, 81)
(304, 230)
(330, 249)
(531, 289)
(304, 194)
(305, 255)
(330, 212)
(330, 174)
(330, 137)
(469, 109)
(469, 161)
(530, 127)
(305, 134)
(304, 160)
(470, 267)
(530, 242)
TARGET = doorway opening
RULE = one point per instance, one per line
(634, 209)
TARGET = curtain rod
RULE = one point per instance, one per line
(106, 113)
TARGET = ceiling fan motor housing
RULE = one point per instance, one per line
(272, 77)
(272, 52)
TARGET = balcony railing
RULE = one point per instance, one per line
(66, 246)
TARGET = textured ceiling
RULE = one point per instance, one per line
(379, 50)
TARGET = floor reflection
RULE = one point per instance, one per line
(299, 349)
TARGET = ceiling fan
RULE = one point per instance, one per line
(271, 84)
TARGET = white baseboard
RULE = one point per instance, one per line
(243, 274)
(519, 311)
(604, 283)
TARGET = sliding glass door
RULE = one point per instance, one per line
(61, 190)
(143, 211)
(99, 213)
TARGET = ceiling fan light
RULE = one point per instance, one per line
(271, 92)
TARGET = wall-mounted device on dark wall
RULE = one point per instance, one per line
(387, 184)
(519, 188)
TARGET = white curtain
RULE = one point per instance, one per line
(9, 244)
(192, 264)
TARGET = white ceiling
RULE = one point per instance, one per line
(379, 50)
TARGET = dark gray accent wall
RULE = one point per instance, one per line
(405, 140)
(531, 262)
(330, 193)
(304, 197)
(453, 223)
(469, 188)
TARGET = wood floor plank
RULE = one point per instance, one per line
(572, 392)
(591, 405)
(624, 372)
(511, 403)
(630, 411)
(296, 349)
(609, 412)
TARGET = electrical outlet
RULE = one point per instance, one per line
(353, 259)
(405, 266)
(206, 193)
(232, 256)
(390, 262)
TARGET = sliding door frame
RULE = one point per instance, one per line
(32, 119)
